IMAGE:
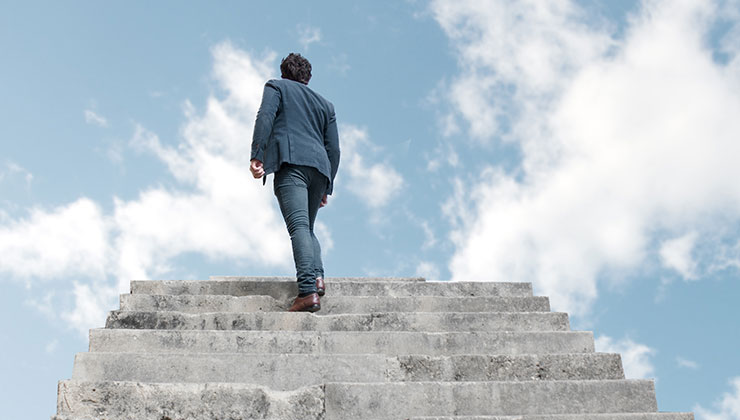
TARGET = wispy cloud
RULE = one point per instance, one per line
(43, 304)
(635, 356)
(727, 406)
(372, 179)
(686, 363)
(442, 154)
(308, 35)
(625, 143)
(51, 346)
(676, 254)
(340, 64)
(429, 238)
(428, 270)
(12, 169)
(94, 119)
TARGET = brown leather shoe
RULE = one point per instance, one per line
(308, 303)
(320, 287)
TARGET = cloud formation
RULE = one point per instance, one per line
(635, 356)
(12, 169)
(215, 208)
(676, 254)
(94, 119)
(627, 143)
(375, 183)
(686, 363)
(69, 240)
(726, 408)
(308, 35)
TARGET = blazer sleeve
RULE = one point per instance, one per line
(331, 144)
(265, 119)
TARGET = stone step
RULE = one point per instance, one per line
(404, 400)
(208, 401)
(345, 342)
(284, 290)
(333, 279)
(607, 416)
(292, 371)
(340, 401)
(333, 304)
(386, 321)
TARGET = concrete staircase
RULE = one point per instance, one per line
(380, 348)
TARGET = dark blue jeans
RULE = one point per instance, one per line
(299, 190)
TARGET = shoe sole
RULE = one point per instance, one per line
(312, 308)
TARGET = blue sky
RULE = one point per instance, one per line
(588, 147)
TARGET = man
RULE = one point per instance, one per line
(295, 137)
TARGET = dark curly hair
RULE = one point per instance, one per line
(295, 67)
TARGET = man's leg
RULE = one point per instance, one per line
(316, 191)
(291, 190)
(318, 266)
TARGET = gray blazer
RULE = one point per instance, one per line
(298, 126)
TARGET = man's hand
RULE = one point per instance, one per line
(324, 200)
(256, 167)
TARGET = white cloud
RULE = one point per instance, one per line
(225, 214)
(308, 35)
(323, 233)
(726, 256)
(375, 183)
(429, 238)
(635, 356)
(69, 240)
(44, 304)
(13, 169)
(726, 408)
(443, 154)
(624, 141)
(428, 270)
(522, 50)
(51, 346)
(94, 119)
(686, 363)
(215, 208)
(91, 304)
(340, 64)
(114, 152)
(676, 254)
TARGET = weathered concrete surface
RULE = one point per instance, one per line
(532, 367)
(291, 371)
(201, 303)
(142, 401)
(390, 321)
(292, 279)
(379, 349)
(591, 416)
(333, 304)
(346, 342)
(128, 400)
(284, 290)
(407, 399)
(622, 416)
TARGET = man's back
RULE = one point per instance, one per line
(298, 126)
